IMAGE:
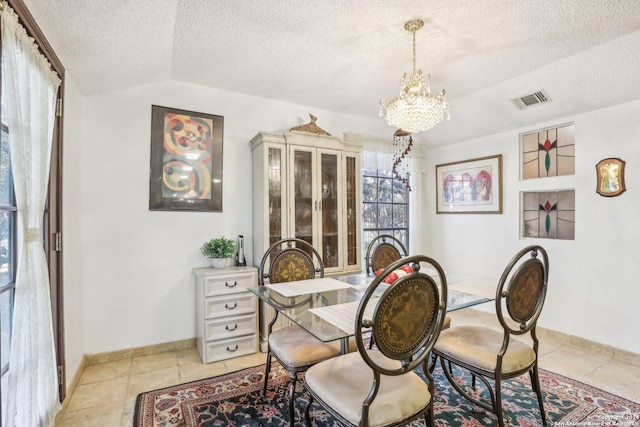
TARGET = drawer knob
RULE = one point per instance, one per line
(231, 286)
(232, 349)
(235, 304)
(232, 329)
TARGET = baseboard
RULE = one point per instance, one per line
(71, 386)
(625, 356)
(112, 356)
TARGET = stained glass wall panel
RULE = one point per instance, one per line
(547, 153)
(549, 214)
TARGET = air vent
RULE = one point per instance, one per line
(528, 101)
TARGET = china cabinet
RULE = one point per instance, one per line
(307, 186)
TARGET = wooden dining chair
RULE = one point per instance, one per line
(495, 356)
(379, 386)
(296, 349)
(382, 251)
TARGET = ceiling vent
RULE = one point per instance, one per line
(532, 99)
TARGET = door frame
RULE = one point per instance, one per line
(52, 223)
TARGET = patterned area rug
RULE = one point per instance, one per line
(236, 399)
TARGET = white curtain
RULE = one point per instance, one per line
(377, 153)
(29, 88)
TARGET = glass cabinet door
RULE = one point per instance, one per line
(303, 198)
(275, 177)
(329, 165)
(316, 196)
(351, 225)
(308, 187)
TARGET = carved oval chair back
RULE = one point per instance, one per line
(289, 259)
(494, 356)
(380, 386)
(382, 251)
(293, 347)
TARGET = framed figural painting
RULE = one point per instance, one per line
(470, 186)
(186, 160)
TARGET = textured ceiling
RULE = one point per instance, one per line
(344, 55)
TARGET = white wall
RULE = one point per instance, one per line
(128, 275)
(593, 285)
(127, 270)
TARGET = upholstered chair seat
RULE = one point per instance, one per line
(344, 383)
(478, 346)
(296, 348)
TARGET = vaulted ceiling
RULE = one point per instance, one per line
(345, 55)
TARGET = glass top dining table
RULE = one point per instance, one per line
(326, 307)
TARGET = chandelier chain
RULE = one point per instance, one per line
(414, 51)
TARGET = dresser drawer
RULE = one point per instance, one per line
(226, 312)
(231, 305)
(230, 284)
(230, 327)
(225, 349)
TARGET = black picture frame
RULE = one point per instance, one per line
(186, 160)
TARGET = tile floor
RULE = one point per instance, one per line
(106, 392)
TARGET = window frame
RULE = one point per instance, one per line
(400, 232)
(9, 285)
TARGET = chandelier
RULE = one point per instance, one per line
(416, 109)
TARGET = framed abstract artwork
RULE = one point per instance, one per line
(470, 186)
(610, 177)
(186, 160)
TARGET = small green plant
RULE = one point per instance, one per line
(218, 248)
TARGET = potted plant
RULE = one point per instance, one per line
(218, 250)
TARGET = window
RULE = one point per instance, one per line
(385, 201)
(7, 251)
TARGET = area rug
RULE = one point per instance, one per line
(235, 399)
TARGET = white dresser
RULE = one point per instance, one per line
(226, 313)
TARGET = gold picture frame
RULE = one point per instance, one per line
(470, 186)
(610, 177)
